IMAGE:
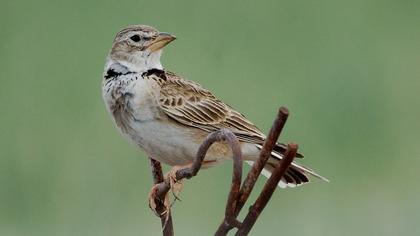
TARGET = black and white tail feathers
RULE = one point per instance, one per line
(296, 174)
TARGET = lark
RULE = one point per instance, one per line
(168, 117)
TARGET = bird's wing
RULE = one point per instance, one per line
(189, 104)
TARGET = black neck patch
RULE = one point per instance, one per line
(111, 73)
(156, 72)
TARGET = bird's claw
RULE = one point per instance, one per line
(175, 188)
(176, 185)
(153, 198)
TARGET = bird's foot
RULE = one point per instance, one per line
(175, 187)
(155, 201)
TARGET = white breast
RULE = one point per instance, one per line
(149, 128)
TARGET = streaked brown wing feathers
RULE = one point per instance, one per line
(189, 104)
(201, 109)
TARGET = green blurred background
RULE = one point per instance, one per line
(347, 70)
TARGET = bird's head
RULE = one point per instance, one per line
(139, 47)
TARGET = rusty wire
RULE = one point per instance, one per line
(238, 195)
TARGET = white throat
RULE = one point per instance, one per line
(139, 62)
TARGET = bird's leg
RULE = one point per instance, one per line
(176, 185)
(153, 198)
(175, 188)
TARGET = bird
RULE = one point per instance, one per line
(168, 116)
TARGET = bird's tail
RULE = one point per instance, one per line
(296, 175)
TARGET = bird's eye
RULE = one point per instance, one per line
(135, 38)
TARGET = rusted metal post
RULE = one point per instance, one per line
(268, 190)
(238, 194)
(265, 153)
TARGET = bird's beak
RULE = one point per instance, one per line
(160, 41)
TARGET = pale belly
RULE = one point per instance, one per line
(166, 142)
(175, 144)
